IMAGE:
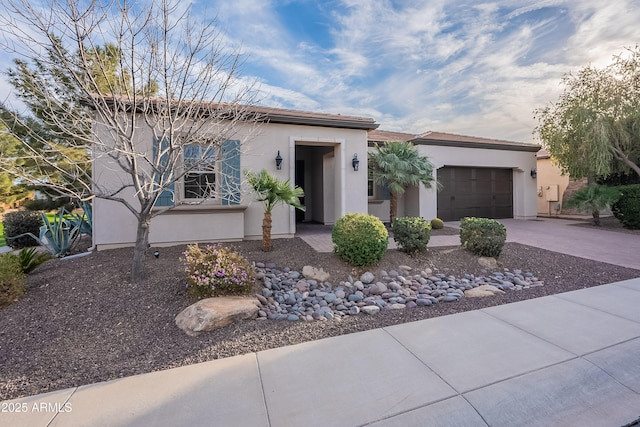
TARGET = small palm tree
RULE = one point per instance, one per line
(593, 198)
(399, 165)
(272, 192)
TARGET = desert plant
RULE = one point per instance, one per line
(12, 284)
(272, 192)
(411, 233)
(360, 239)
(60, 234)
(593, 198)
(17, 227)
(482, 236)
(215, 270)
(399, 165)
(30, 258)
(437, 224)
(627, 208)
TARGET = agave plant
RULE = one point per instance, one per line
(272, 192)
(61, 234)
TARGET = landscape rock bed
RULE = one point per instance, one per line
(82, 321)
(288, 295)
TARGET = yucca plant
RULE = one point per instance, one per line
(272, 192)
(30, 258)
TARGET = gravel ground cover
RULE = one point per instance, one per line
(83, 321)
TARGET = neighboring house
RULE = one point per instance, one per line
(554, 187)
(478, 176)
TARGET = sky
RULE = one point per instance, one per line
(469, 67)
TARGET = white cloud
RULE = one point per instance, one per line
(463, 66)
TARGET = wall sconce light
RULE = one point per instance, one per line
(534, 173)
(355, 162)
(278, 161)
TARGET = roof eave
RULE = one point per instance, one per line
(324, 122)
(486, 145)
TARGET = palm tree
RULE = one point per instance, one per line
(399, 165)
(272, 192)
(593, 198)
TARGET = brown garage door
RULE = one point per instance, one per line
(480, 192)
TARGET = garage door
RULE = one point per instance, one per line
(480, 192)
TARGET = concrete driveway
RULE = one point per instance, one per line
(553, 234)
(565, 237)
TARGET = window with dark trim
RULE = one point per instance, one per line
(200, 180)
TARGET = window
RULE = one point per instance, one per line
(200, 180)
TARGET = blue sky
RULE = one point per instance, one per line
(472, 67)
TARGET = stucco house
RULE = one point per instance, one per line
(325, 154)
(478, 176)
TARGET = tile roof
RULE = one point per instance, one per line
(450, 139)
(250, 112)
(385, 136)
(279, 115)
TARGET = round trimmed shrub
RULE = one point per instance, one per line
(215, 270)
(411, 233)
(21, 222)
(360, 239)
(482, 236)
(627, 208)
(437, 224)
(12, 285)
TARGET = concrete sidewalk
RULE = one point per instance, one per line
(564, 360)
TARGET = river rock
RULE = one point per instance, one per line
(313, 273)
(367, 277)
(370, 309)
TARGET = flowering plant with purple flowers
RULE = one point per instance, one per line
(215, 270)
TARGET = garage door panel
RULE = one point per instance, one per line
(480, 192)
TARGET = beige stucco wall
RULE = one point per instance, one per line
(521, 162)
(343, 189)
(550, 175)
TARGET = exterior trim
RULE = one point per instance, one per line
(485, 145)
(323, 122)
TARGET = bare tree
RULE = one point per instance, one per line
(174, 77)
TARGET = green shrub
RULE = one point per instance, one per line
(20, 222)
(411, 233)
(48, 204)
(482, 236)
(360, 239)
(627, 208)
(12, 284)
(215, 270)
(437, 224)
(30, 258)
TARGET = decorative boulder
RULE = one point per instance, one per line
(313, 273)
(483, 291)
(212, 313)
(488, 262)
